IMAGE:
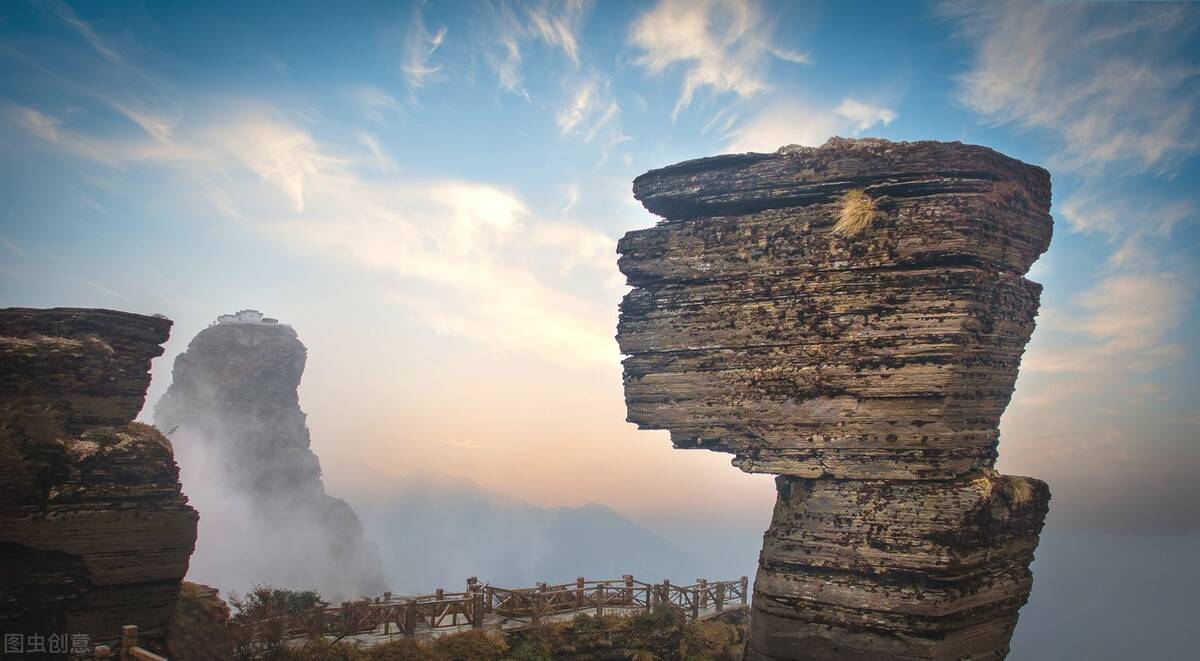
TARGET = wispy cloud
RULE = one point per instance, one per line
(556, 24)
(419, 48)
(1107, 78)
(790, 121)
(590, 110)
(469, 258)
(11, 247)
(374, 102)
(109, 151)
(1120, 326)
(1092, 211)
(720, 44)
(507, 65)
(102, 289)
(67, 15)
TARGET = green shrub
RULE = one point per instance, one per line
(264, 602)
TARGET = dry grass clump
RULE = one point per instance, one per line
(858, 210)
(1017, 491)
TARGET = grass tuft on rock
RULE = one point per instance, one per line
(856, 214)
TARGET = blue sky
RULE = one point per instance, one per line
(431, 193)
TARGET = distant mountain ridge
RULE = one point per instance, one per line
(435, 531)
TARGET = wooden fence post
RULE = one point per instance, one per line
(628, 588)
(579, 586)
(745, 591)
(535, 608)
(477, 609)
(128, 641)
(695, 604)
(649, 597)
(488, 598)
(720, 597)
(703, 583)
(410, 618)
(600, 599)
(666, 591)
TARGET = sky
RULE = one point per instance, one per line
(431, 194)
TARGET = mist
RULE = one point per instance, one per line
(243, 448)
(435, 531)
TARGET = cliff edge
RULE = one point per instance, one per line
(95, 532)
(851, 318)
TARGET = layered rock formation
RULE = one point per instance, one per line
(95, 532)
(867, 367)
(234, 415)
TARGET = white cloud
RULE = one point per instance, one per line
(795, 122)
(555, 23)
(112, 152)
(378, 156)
(1140, 232)
(467, 258)
(284, 156)
(589, 110)
(68, 16)
(374, 102)
(865, 115)
(419, 48)
(1120, 326)
(721, 44)
(784, 123)
(1094, 212)
(507, 66)
(558, 28)
(1108, 78)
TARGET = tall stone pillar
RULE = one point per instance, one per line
(851, 318)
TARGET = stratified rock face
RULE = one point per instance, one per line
(858, 569)
(870, 368)
(95, 532)
(234, 415)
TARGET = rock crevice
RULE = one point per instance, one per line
(868, 370)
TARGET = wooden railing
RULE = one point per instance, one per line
(488, 606)
(129, 648)
(481, 606)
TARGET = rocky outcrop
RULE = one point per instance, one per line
(244, 450)
(95, 532)
(867, 366)
(199, 629)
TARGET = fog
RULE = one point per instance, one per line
(243, 448)
(435, 531)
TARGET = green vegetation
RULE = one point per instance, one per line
(265, 601)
